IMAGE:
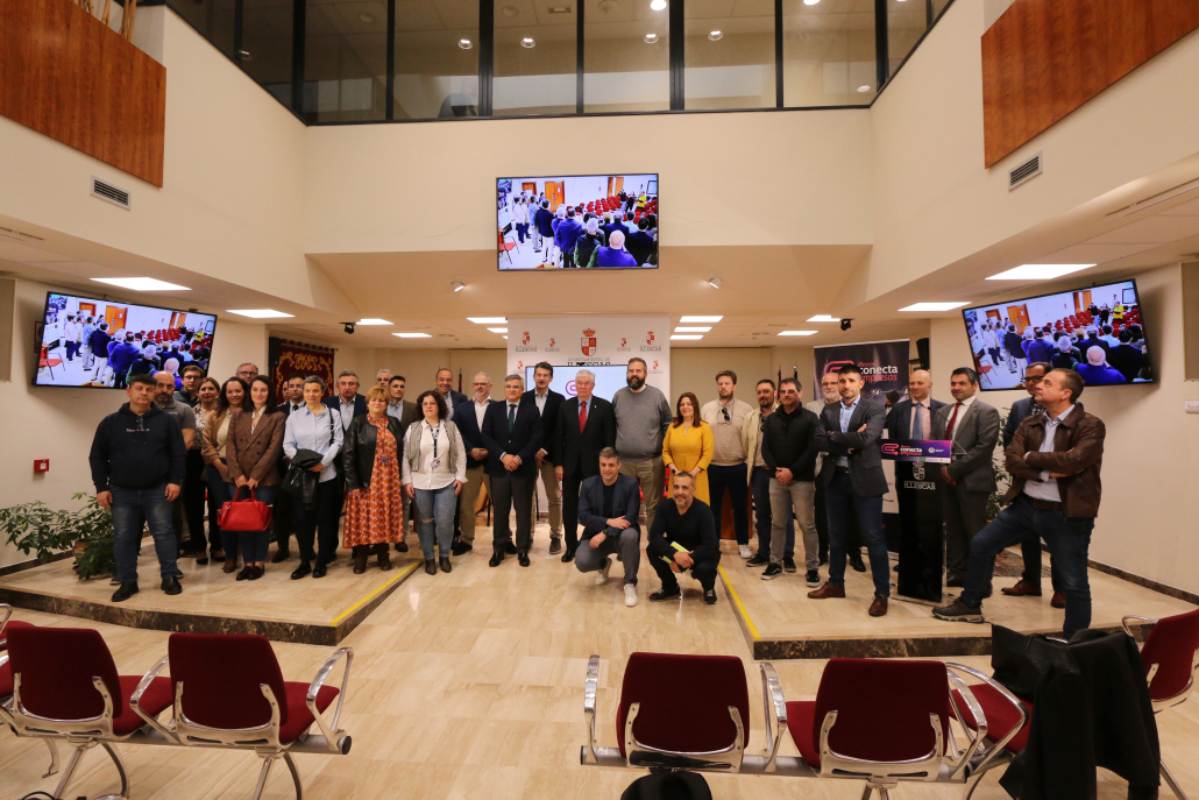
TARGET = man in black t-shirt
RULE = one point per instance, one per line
(683, 537)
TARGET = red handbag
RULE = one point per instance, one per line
(244, 515)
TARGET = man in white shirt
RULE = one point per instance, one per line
(470, 425)
(726, 416)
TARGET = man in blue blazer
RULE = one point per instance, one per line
(469, 416)
(608, 507)
(512, 435)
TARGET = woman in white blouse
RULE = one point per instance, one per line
(318, 428)
(434, 472)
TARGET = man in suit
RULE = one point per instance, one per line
(403, 410)
(347, 401)
(512, 434)
(609, 504)
(968, 479)
(281, 516)
(1126, 357)
(470, 417)
(852, 474)
(911, 419)
(586, 425)
(445, 388)
(548, 403)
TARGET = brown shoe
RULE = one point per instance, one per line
(879, 607)
(230, 565)
(1058, 600)
(1023, 589)
(827, 591)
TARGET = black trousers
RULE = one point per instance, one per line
(965, 514)
(192, 500)
(702, 571)
(853, 543)
(570, 508)
(506, 490)
(283, 520)
(319, 523)
(735, 481)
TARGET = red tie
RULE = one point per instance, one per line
(582, 416)
(953, 420)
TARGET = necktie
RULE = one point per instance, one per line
(511, 417)
(918, 422)
(582, 416)
(953, 421)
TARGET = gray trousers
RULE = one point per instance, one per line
(626, 542)
(650, 474)
(476, 478)
(553, 494)
(798, 498)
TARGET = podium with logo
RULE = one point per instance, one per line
(922, 541)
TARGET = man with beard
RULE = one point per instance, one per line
(185, 416)
(642, 415)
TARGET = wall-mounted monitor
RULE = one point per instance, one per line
(97, 343)
(577, 222)
(1097, 330)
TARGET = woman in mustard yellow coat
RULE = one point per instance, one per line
(688, 444)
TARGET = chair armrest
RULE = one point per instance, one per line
(331, 731)
(773, 701)
(590, 689)
(1130, 618)
(989, 753)
(978, 734)
(5, 613)
(135, 700)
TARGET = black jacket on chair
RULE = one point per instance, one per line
(578, 452)
(358, 451)
(523, 441)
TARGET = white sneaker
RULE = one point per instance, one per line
(630, 594)
(602, 577)
(746, 553)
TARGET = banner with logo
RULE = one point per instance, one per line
(577, 341)
(932, 451)
(884, 365)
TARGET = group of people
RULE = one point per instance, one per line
(1103, 353)
(572, 236)
(110, 356)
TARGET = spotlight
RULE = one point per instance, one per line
(651, 38)
(715, 35)
(348, 327)
(465, 43)
(846, 323)
(457, 286)
(657, 5)
(528, 42)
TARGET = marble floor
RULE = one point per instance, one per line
(469, 685)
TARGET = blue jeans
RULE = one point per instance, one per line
(1068, 538)
(131, 509)
(841, 503)
(763, 518)
(253, 543)
(435, 519)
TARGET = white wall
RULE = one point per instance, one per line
(1146, 522)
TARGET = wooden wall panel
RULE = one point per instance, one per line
(67, 76)
(1043, 59)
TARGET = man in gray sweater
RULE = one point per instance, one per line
(642, 415)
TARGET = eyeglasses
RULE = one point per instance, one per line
(1033, 378)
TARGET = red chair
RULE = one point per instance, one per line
(229, 692)
(6, 679)
(1171, 656)
(505, 246)
(66, 686)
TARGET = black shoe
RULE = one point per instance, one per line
(126, 591)
(320, 571)
(569, 555)
(955, 583)
(497, 558)
(301, 571)
(202, 560)
(281, 556)
(857, 563)
(757, 561)
(257, 573)
(789, 564)
(445, 564)
(171, 585)
(522, 558)
(957, 611)
(772, 572)
(510, 548)
(710, 596)
(218, 556)
(555, 545)
(430, 566)
(401, 547)
(665, 594)
(812, 578)
(460, 548)
(245, 573)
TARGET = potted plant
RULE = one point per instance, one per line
(44, 531)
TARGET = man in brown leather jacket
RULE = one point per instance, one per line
(1054, 460)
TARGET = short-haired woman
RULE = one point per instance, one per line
(370, 462)
(434, 472)
(233, 399)
(689, 443)
(253, 447)
(316, 428)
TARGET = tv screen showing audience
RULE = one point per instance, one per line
(609, 379)
(100, 343)
(577, 222)
(1097, 330)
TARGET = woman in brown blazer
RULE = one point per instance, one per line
(252, 451)
(232, 400)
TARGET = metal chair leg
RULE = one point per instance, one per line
(867, 792)
(972, 784)
(116, 760)
(267, 763)
(72, 765)
(53, 748)
(1172, 783)
(295, 775)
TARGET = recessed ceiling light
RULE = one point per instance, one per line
(685, 337)
(1038, 272)
(143, 284)
(559, 9)
(457, 286)
(797, 333)
(700, 318)
(373, 321)
(811, 2)
(650, 38)
(692, 328)
(824, 318)
(715, 35)
(865, 87)
(498, 330)
(259, 313)
(413, 335)
(488, 320)
(465, 43)
(935, 306)
(528, 42)
(714, 282)
(657, 5)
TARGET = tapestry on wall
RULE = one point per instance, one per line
(288, 358)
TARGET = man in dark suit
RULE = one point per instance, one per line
(347, 401)
(852, 474)
(512, 433)
(281, 517)
(470, 417)
(609, 504)
(968, 479)
(548, 403)
(586, 425)
(1126, 357)
(911, 419)
(445, 388)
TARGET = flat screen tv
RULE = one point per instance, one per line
(609, 379)
(1097, 330)
(99, 343)
(570, 222)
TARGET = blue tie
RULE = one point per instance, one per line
(918, 423)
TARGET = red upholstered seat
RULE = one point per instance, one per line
(5, 681)
(1171, 645)
(298, 716)
(711, 685)
(12, 625)
(155, 699)
(1001, 716)
(801, 715)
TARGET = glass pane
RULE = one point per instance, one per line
(266, 36)
(729, 54)
(907, 20)
(828, 53)
(626, 56)
(212, 18)
(535, 59)
(939, 6)
(437, 59)
(345, 60)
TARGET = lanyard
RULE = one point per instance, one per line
(436, 434)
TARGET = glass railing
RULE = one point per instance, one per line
(338, 62)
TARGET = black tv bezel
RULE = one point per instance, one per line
(41, 321)
(1144, 330)
(617, 271)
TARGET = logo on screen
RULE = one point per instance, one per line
(570, 388)
(588, 343)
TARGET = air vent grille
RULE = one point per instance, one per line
(1024, 172)
(110, 193)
